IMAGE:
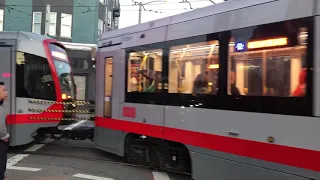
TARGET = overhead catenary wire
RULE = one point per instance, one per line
(65, 6)
(80, 5)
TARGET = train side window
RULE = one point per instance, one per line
(33, 77)
(194, 68)
(268, 62)
(145, 71)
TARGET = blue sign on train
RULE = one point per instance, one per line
(240, 46)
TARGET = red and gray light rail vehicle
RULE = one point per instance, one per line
(37, 73)
(229, 91)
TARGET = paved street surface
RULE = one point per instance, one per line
(74, 160)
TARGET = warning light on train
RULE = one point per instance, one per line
(268, 43)
(59, 55)
(6, 75)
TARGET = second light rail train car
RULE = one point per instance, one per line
(38, 77)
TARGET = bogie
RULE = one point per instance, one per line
(157, 153)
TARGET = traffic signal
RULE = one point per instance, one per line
(116, 12)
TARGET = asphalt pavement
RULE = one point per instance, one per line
(74, 160)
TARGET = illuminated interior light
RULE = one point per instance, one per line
(59, 55)
(303, 35)
(199, 48)
(194, 48)
(268, 43)
(210, 83)
(64, 96)
(214, 66)
(69, 96)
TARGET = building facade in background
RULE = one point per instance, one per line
(75, 21)
(79, 21)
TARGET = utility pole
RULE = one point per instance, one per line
(141, 5)
(47, 24)
(140, 12)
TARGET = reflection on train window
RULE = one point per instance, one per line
(145, 71)
(194, 68)
(34, 79)
(270, 65)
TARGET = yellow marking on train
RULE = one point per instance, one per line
(54, 102)
(59, 111)
(60, 119)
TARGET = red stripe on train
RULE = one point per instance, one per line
(296, 157)
(13, 119)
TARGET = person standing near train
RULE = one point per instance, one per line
(4, 135)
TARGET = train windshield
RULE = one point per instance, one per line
(63, 70)
(66, 82)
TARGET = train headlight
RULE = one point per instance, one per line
(64, 96)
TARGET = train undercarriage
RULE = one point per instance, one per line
(157, 153)
(140, 150)
(60, 133)
(70, 127)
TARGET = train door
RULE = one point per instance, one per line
(7, 53)
(108, 72)
(108, 98)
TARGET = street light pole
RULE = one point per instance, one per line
(140, 12)
(47, 24)
(141, 5)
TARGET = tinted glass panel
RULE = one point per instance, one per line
(33, 77)
(268, 60)
(194, 68)
(145, 71)
(63, 69)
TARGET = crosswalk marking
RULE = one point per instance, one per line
(15, 159)
(160, 176)
(86, 176)
(24, 168)
(35, 147)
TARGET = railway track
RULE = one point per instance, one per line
(112, 159)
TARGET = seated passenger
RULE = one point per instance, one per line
(155, 80)
(301, 89)
(200, 84)
(234, 90)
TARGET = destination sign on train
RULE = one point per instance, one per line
(59, 55)
(267, 43)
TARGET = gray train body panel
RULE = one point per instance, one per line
(292, 131)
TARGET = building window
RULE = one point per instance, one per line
(101, 1)
(1, 19)
(80, 82)
(109, 16)
(66, 25)
(36, 22)
(53, 23)
(116, 22)
(145, 71)
(100, 26)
